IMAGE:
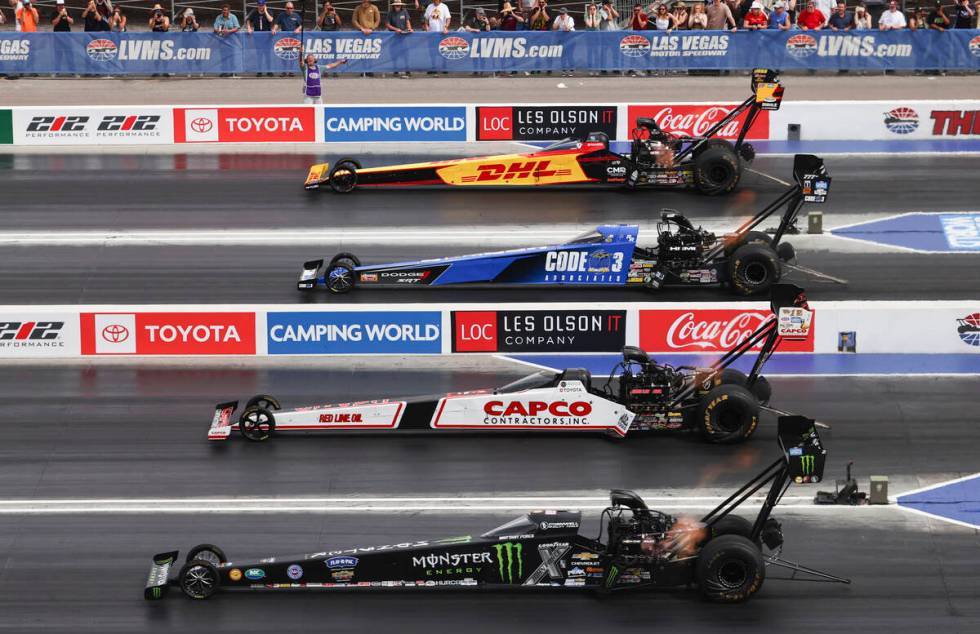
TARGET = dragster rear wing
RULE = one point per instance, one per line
(804, 453)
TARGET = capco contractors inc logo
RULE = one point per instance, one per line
(497, 47)
(968, 328)
(168, 333)
(709, 330)
(902, 120)
(801, 45)
(395, 124)
(287, 48)
(543, 123)
(101, 50)
(454, 47)
(15, 50)
(245, 125)
(696, 119)
(539, 331)
(634, 46)
(355, 332)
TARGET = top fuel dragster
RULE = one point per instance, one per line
(726, 555)
(720, 402)
(748, 260)
(657, 158)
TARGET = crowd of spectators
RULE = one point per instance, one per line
(521, 15)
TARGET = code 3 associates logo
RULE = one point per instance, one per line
(395, 124)
(355, 332)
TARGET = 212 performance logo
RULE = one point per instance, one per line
(539, 331)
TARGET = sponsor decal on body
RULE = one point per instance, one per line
(696, 119)
(539, 331)
(543, 123)
(707, 330)
(245, 125)
(255, 574)
(168, 333)
(294, 572)
(368, 415)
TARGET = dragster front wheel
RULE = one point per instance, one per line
(257, 424)
(343, 176)
(340, 277)
(198, 579)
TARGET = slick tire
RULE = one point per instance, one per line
(264, 401)
(731, 525)
(762, 390)
(198, 579)
(343, 175)
(727, 414)
(750, 237)
(717, 170)
(207, 552)
(257, 424)
(754, 268)
(712, 143)
(730, 569)
(340, 277)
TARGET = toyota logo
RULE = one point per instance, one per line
(115, 333)
(201, 125)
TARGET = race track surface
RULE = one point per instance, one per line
(111, 432)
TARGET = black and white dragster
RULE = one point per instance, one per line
(727, 556)
(720, 402)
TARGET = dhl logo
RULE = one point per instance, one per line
(514, 171)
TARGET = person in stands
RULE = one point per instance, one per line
(756, 18)
(892, 19)
(841, 19)
(810, 18)
(329, 20)
(61, 20)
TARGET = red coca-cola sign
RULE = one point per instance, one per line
(696, 119)
(708, 330)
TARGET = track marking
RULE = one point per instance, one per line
(770, 177)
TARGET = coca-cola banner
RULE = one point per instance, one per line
(695, 119)
(707, 330)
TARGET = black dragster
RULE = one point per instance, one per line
(726, 555)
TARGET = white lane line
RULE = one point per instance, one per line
(356, 504)
(770, 177)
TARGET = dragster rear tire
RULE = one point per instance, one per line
(727, 414)
(730, 569)
(731, 525)
(761, 389)
(717, 170)
(754, 268)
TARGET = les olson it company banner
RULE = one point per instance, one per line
(167, 333)
(708, 331)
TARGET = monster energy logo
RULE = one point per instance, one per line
(155, 593)
(510, 548)
(807, 463)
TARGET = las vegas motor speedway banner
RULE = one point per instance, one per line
(705, 329)
(192, 53)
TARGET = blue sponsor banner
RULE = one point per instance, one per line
(355, 332)
(145, 53)
(404, 123)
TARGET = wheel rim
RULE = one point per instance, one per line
(729, 421)
(755, 273)
(344, 178)
(717, 173)
(209, 556)
(256, 426)
(732, 574)
(198, 581)
(341, 279)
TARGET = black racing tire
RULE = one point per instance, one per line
(207, 552)
(762, 389)
(730, 569)
(198, 579)
(710, 143)
(717, 170)
(753, 269)
(731, 525)
(731, 376)
(727, 414)
(257, 424)
(340, 277)
(750, 237)
(343, 175)
(345, 256)
(264, 401)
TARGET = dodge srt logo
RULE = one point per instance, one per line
(115, 333)
(202, 125)
(533, 408)
(515, 171)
